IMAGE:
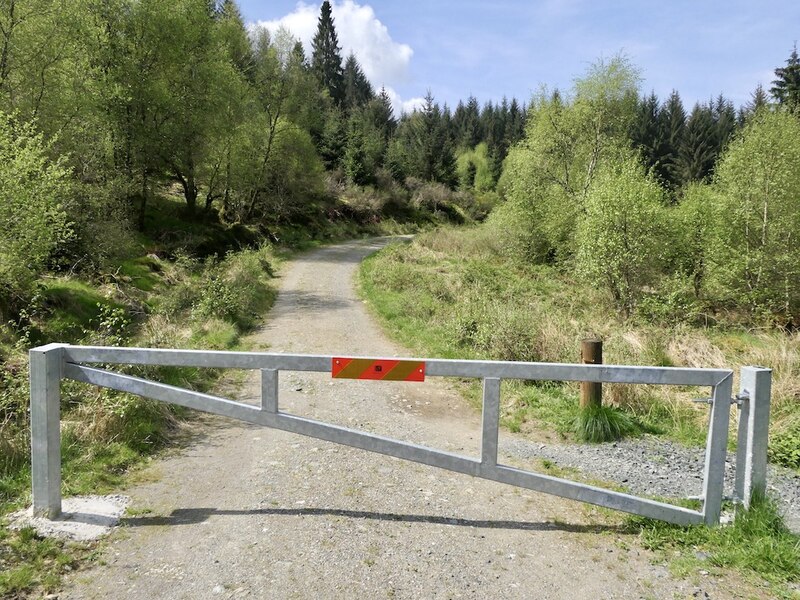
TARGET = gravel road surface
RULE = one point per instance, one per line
(246, 512)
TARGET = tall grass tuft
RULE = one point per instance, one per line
(597, 424)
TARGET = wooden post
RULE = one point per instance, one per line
(591, 354)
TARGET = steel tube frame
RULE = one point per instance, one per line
(51, 363)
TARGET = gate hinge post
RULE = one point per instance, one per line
(751, 448)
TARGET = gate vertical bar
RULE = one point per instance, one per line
(716, 451)
(45, 380)
(756, 383)
(491, 421)
(269, 390)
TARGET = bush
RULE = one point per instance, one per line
(32, 217)
(784, 445)
(236, 288)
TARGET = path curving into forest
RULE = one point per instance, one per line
(246, 512)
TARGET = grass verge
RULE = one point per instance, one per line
(455, 293)
(756, 544)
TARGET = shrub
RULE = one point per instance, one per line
(32, 217)
(756, 256)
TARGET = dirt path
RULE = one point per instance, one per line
(253, 513)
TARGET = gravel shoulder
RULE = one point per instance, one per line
(247, 512)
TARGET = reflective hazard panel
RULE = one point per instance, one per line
(381, 370)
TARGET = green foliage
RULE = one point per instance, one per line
(326, 62)
(475, 169)
(32, 218)
(693, 223)
(697, 154)
(618, 238)
(424, 150)
(784, 445)
(567, 140)
(756, 255)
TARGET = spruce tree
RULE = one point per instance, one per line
(233, 34)
(382, 114)
(646, 131)
(758, 101)
(698, 150)
(725, 123)
(471, 133)
(786, 88)
(357, 89)
(326, 62)
(672, 120)
(516, 122)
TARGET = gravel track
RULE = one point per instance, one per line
(246, 512)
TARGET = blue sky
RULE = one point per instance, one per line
(492, 49)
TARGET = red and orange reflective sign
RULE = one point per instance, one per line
(381, 370)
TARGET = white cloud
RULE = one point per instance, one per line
(409, 106)
(385, 62)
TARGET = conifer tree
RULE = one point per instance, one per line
(383, 114)
(758, 100)
(698, 150)
(357, 89)
(724, 121)
(471, 135)
(672, 120)
(516, 122)
(646, 132)
(326, 62)
(786, 87)
(234, 36)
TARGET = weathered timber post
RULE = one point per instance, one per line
(591, 354)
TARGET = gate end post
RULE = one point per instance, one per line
(716, 451)
(755, 391)
(46, 366)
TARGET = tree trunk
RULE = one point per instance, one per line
(143, 200)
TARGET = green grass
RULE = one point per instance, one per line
(70, 307)
(142, 272)
(29, 562)
(596, 424)
(756, 544)
(450, 295)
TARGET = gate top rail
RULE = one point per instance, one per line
(540, 371)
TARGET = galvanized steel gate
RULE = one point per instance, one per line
(52, 363)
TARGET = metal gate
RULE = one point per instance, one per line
(54, 362)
